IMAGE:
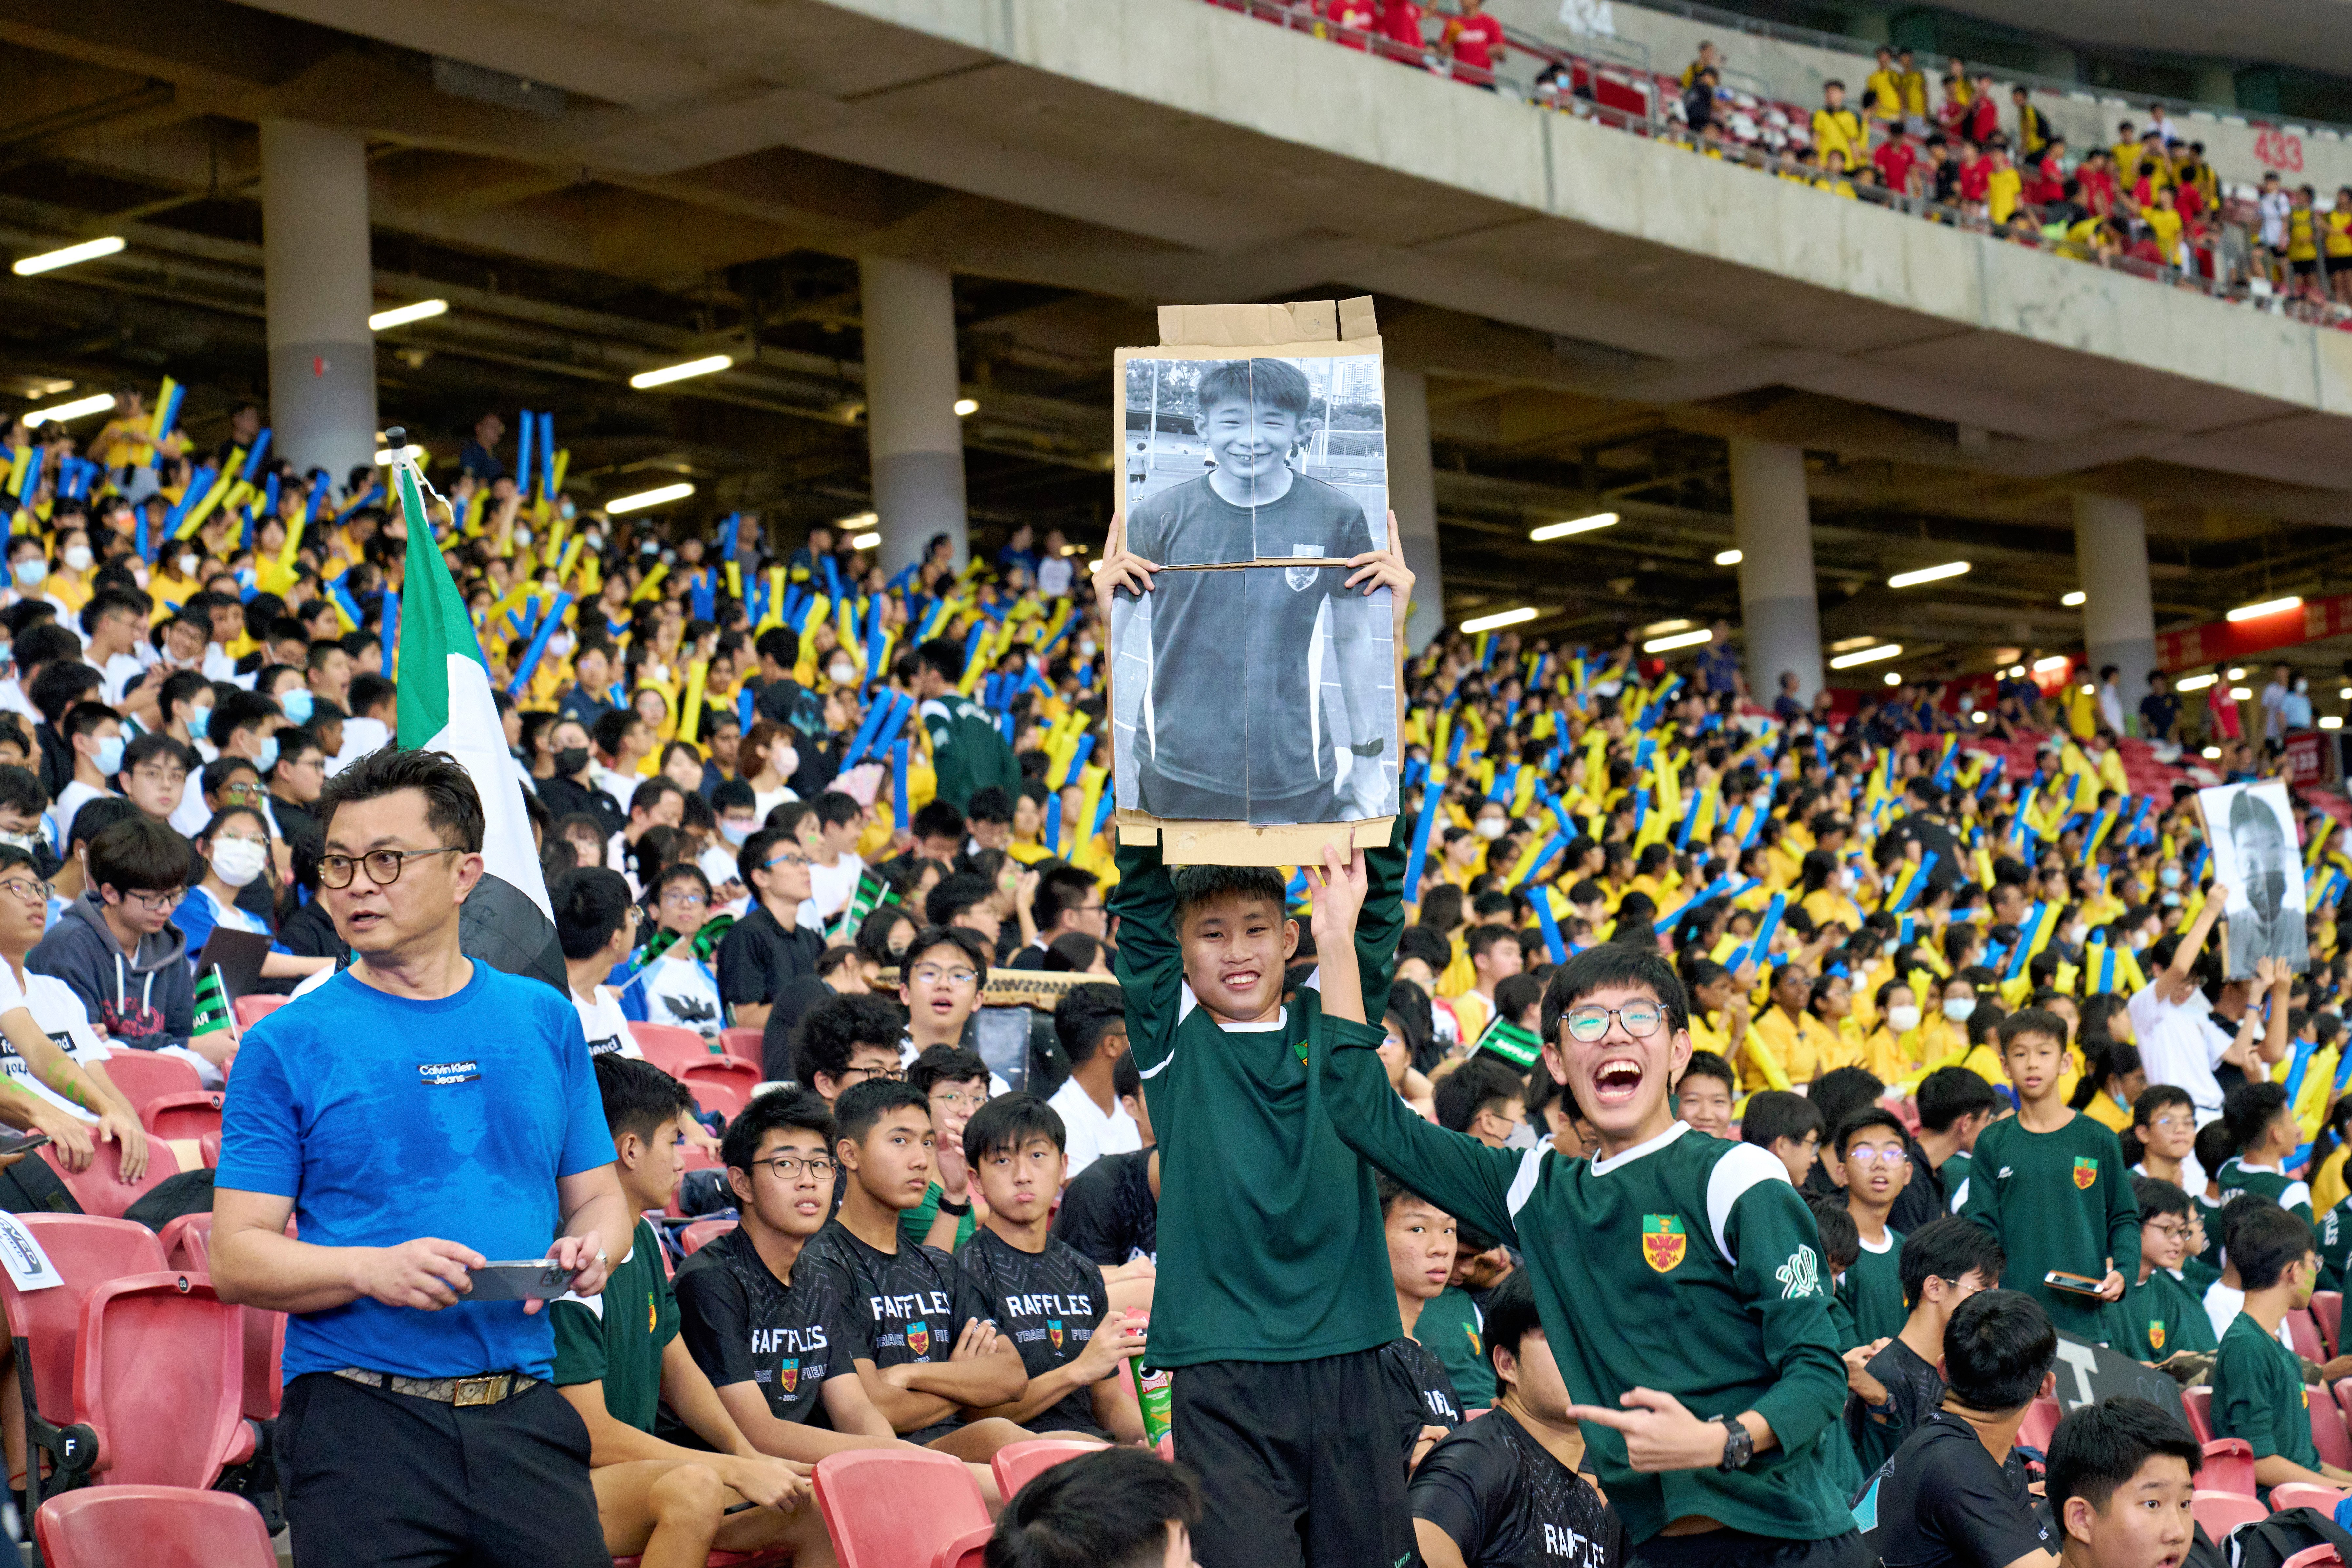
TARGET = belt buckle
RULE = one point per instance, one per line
(486, 1389)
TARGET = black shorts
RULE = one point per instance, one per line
(2309, 266)
(372, 1477)
(1737, 1549)
(1298, 1463)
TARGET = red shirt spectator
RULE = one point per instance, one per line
(1984, 119)
(1976, 178)
(1474, 38)
(1400, 23)
(2097, 187)
(1358, 16)
(2047, 186)
(1895, 158)
(2190, 201)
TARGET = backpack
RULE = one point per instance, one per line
(187, 1192)
(2268, 1542)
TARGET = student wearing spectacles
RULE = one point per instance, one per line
(1870, 1145)
(768, 949)
(677, 987)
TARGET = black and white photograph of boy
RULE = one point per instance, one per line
(2251, 827)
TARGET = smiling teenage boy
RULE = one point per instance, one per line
(1277, 1293)
(1678, 1275)
(2052, 1185)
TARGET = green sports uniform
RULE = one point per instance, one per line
(2335, 1232)
(968, 751)
(1453, 1331)
(2265, 1182)
(2060, 1201)
(2162, 1316)
(1686, 1264)
(1872, 1292)
(2258, 1395)
(617, 1337)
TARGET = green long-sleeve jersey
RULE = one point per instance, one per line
(2061, 1201)
(1271, 1246)
(2236, 1176)
(1688, 1264)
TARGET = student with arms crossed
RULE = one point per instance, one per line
(2162, 1316)
(1048, 1301)
(2122, 1483)
(2050, 1184)
(1897, 1384)
(616, 1365)
(1503, 1491)
(1269, 1226)
(1684, 1262)
(1948, 1499)
(2258, 1391)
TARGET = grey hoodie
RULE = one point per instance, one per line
(146, 999)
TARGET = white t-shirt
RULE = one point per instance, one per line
(2225, 1302)
(360, 736)
(115, 674)
(1088, 1134)
(831, 886)
(622, 788)
(766, 800)
(2178, 1044)
(62, 1017)
(681, 993)
(72, 798)
(606, 1026)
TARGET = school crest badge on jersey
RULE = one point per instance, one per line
(788, 1373)
(1662, 1241)
(2155, 1335)
(1054, 1331)
(918, 1338)
(2086, 1171)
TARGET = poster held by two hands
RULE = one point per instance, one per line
(2251, 830)
(1253, 695)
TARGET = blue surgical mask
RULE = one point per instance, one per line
(297, 704)
(267, 758)
(1957, 1008)
(110, 756)
(199, 720)
(2170, 875)
(736, 832)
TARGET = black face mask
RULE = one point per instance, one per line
(570, 759)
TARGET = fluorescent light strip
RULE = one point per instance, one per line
(863, 541)
(1927, 574)
(2075, 599)
(668, 373)
(643, 498)
(1728, 557)
(400, 315)
(1867, 656)
(1499, 619)
(2195, 682)
(59, 412)
(2055, 661)
(1679, 639)
(50, 261)
(1573, 525)
(966, 406)
(2267, 608)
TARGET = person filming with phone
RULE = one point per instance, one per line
(420, 1116)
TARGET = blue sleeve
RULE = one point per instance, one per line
(196, 919)
(587, 1138)
(261, 1140)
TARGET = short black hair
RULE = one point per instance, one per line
(944, 1063)
(139, 855)
(1510, 1313)
(2032, 1021)
(2156, 1198)
(1008, 1122)
(235, 710)
(862, 1106)
(1469, 1089)
(1997, 1350)
(1062, 887)
(2154, 1098)
(1110, 1509)
(1198, 885)
(2101, 1446)
(938, 819)
(944, 655)
(1707, 1064)
(1611, 964)
(1772, 1114)
(833, 808)
(1948, 1248)
(2264, 1241)
(591, 904)
(1862, 1122)
(154, 743)
(1840, 1239)
(1950, 1093)
(1085, 1015)
(639, 1097)
(955, 895)
(452, 808)
(2250, 1109)
(988, 805)
(20, 790)
(967, 942)
(802, 1108)
(836, 1027)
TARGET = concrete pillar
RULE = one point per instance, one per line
(2118, 615)
(319, 283)
(1779, 610)
(1413, 496)
(913, 437)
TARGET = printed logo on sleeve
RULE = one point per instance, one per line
(440, 1075)
(1662, 1241)
(1800, 1276)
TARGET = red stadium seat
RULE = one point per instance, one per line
(251, 1010)
(2327, 1432)
(85, 1251)
(744, 1044)
(208, 1150)
(2229, 1467)
(2328, 1310)
(156, 1527)
(702, 1233)
(2197, 1404)
(863, 1495)
(2303, 1330)
(968, 1550)
(2303, 1494)
(720, 1088)
(2320, 1556)
(2041, 1420)
(1018, 1464)
(187, 1245)
(143, 1076)
(101, 1190)
(2220, 1512)
(674, 1049)
(159, 1380)
(182, 1115)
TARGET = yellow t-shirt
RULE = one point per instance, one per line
(2327, 1186)
(1885, 95)
(2165, 224)
(2002, 188)
(2103, 1111)
(2300, 242)
(2339, 232)
(1806, 1047)
(1840, 130)
(1915, 94)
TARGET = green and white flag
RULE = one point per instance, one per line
(445, 705)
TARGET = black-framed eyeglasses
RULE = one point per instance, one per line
(26, 889)
(787, 1167)
(384, 866)
(1589, 1022)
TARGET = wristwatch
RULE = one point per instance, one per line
(948, 1205)
(1739, 1448)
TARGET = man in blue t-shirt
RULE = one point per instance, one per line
(420, 1115)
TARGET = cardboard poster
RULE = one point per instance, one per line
(1253, 694)
(2251, 829)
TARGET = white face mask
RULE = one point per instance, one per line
(841, 673)
(1490, 826)
(559, 644)
(32, 572)
(2073, 936)
(1957, 1008)
(1086, 648)
(188, 564)
(237, 861)
(596, 540)
(77, 557)
(1903, 1018)
(788, 759)
(522, 537)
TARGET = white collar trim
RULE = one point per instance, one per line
(1602, 1167)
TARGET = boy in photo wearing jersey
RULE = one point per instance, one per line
(1279, 1294)
(2052, 1184)
(1048, 1301)
(921, 1338)
(2258, 1391)
(2162, 1315)
(1870, 1144)
(2122, 1484)
(619, 1359)
(1503, 1491)
(1944, 1263)
(1678, 1277)
(1246, 635)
